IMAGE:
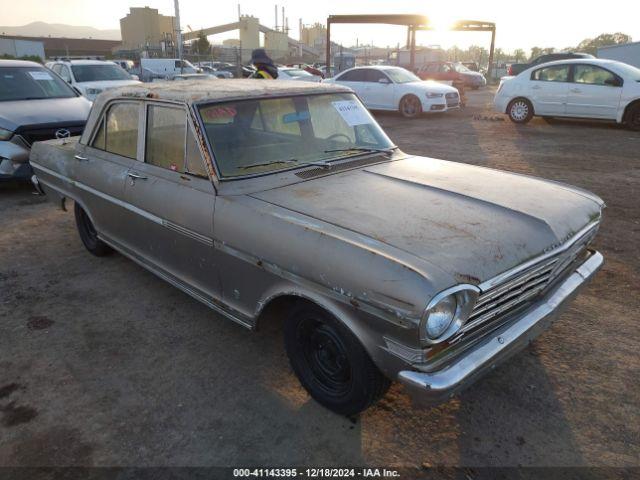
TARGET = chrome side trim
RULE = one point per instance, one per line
(435, 387)
(209, 301)
(132, 208)
(365, 304)
(503, 277)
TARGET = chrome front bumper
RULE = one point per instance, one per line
(435, 387)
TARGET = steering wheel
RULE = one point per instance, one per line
(339, 134)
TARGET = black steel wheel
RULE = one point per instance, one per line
(410, 106)
(88, 233)
(330, 362)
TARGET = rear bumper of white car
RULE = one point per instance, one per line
(500, 103)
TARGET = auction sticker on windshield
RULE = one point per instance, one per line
(38, 75)
(352, 112)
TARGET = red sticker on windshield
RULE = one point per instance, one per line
(213, 113)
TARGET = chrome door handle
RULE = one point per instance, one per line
(575, 90)
(136, 176)
(536, 87)
(80, 158)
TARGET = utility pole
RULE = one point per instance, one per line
(176, 4)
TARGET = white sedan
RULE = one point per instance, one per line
(582, 88)
(395, 88)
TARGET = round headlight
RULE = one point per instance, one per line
(441, 316)
(447, 312)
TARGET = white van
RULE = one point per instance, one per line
(167, 67)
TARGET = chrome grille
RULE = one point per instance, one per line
(497, 300)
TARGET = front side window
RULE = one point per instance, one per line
(170, 144)
(118, 134)
(592, 75)
(266, 135)
(352, 76)
(375, 76)
(31, 83)
(557, 73)
(99, 72)
(401, 75)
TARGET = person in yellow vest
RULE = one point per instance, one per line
(265, 69)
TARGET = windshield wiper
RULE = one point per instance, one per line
(362, 149)
(266, 164)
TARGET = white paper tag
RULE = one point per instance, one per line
(40, 75)
(352, 112)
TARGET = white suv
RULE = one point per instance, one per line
(91, 77)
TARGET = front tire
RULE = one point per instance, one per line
(410, 106)
(88, 233)
(330, 362)
(633, 117)
(520, 110)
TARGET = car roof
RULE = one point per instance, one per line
(85, 62)
(19, 63)
(594, 61)
(192, 91)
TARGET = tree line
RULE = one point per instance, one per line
(480, 55)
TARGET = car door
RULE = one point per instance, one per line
(594, 92)
(547, 89)
(355, 79)
(379, 90)
(173, 198)
(100, 167)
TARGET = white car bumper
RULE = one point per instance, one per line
(441, 104)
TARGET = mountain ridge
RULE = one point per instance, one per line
(44, 29)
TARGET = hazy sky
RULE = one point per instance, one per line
(524, 24)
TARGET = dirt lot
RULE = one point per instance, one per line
(101, 363)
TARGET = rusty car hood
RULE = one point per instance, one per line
(470, 221)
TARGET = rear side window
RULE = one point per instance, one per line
(118, 133)
(556, 73)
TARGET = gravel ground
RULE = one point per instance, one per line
(101, 363)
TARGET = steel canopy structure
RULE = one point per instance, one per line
(413, 23)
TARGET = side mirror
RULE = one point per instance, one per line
(135, 77)
(384, 81)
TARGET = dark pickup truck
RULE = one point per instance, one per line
(517, 68)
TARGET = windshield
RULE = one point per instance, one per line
(30, 83)
(264, 135)
(629, 71)
(292, 72)
(400, 75)
(99, 72)
(460, 68)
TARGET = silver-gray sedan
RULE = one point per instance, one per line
(248, 194)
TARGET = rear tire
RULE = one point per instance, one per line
(330, 362)
(410, 106)
(520, 110)
(88, 234)
(633, 117)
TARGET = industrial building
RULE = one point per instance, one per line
(626, 52)
(58, 47)
(146, 29)
(18, 47)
